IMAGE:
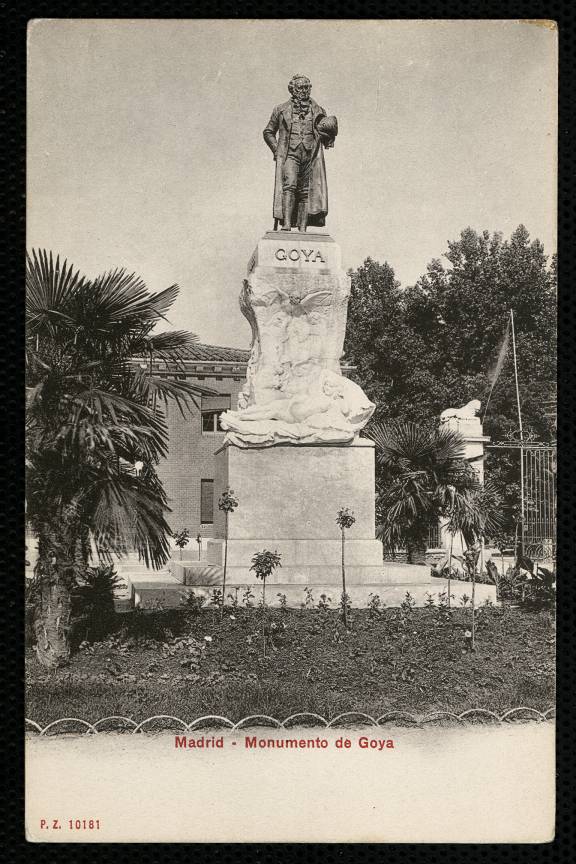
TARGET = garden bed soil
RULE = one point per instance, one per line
(192, 664)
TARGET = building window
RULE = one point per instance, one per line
(207, 502)
(434, 538)
(211, 422)
(212, 407)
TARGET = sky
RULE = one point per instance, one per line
(145, 146)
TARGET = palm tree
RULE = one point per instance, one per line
(423, 477)
(95, 429)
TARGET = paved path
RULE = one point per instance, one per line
(472, 784)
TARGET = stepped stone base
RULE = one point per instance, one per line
(391, 573)
(152, 595)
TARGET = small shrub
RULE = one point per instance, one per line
(345, 607)
(430, 602)
(443, 610)
(263, 564)
(345, 519)
(408, 604)
(248, 597)
(181, 539)
(283, 602)
(308, 599)
(234, 598)
(227, 503)
(540, 591)
(216, 598)
(191, 602)
(324, 602)
(93, 600)
(374, 605)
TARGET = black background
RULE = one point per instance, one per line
(14, 18)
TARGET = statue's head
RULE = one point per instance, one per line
(300, 86)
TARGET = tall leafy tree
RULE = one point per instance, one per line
(95, 429)
(434, 344)
(460, 311)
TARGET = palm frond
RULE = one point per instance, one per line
(127, 512)
(50, 290)
(163, 300)
(166, 346)
(406, 444)
(150, 388)
(477, 513)
(98, 419)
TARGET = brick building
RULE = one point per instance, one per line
(188, 472)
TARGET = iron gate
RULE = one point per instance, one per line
(539, 501)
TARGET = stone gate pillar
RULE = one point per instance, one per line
(465, 421)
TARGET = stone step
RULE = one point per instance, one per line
(306, 574)
(171, 595)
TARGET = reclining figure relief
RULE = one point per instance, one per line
(330, 409)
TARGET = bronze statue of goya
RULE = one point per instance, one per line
(297, 133)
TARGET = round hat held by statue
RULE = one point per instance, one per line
(328, 126)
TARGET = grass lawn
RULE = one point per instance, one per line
(414, 661)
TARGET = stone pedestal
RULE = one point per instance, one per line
(470, 428)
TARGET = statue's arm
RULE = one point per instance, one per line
(270, 131)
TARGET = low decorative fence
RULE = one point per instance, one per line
(166, 722)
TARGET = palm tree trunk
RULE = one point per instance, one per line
(53, 610)
(62, 553)
(52, 624)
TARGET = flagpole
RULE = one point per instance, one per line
(521, 434)
(498, 366)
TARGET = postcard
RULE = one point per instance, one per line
(291, 431)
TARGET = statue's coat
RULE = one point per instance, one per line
(281, 122)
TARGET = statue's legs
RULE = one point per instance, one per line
(302, 187)
(302, 215)
(288, 199)
(289, 186)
